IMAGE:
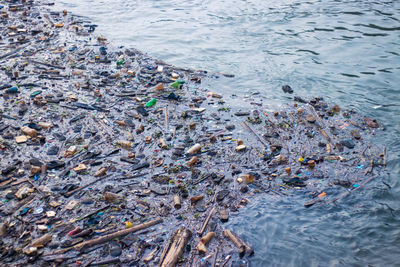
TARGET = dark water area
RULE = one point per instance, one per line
(345, 51)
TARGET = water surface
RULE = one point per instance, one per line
(346, 51)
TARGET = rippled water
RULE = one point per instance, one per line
(346, 51)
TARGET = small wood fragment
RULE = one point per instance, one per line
(41, 241)
(195, 199)
(224, 215)
(151, 255)
(201, 246)
(192, 161)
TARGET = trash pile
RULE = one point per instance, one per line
(111, 157)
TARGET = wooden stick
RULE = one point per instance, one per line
(116, 234)
(46, 64)
(166, 118)
(235, 241)
(14, 51)
(226, 260)
(151, 255)
(214, 261)
(37, 188)
(201, 246)
(345, 194)
(203, 228)
(70, 193)
(20, 204)
(251, 130)
(175, 247)
(90, 214)
(238, 242)
(384, 157)
(322, 126)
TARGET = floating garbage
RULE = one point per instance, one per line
(109, 156)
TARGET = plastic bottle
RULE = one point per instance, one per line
(177, 84)
(12, 90)
(151, 103)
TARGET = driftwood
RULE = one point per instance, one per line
(239, 243)
(226, 260)
(201, 246)
(20, 204)
(321, 127)
(70, 193)
(151, 255)
(116, 234)
(345, 194)
(245, 125)
(175, 247)
(46, 64)
(214, 260)
(41, 241)
(166, 118)
(14, 51)
(203, 228)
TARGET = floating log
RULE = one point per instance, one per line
(175, 247)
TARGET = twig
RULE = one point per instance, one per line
(240, 244)
(203, 228)
(214, 261)
(70, 193)
(322, 126)
(345, 194)
(13, 52)
(46, 64)
(92, 213)
(251, 130)
(226, 260)
(37, 188)
(166, 118)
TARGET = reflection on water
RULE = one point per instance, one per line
(346, 51)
